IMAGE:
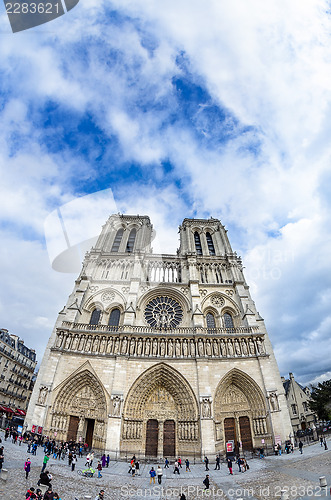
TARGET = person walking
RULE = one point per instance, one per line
(73, 462)
(152, 474)
(107, 460)
(206, 463)
(217, 465)
(49, 495)
(133, 467)
(159, 474)
(2, 457)
(279, 448)
(103, 460)
(325, 444)
(137, 467)
(176, 468)
(91, 458)
(101, 495)
(166, 464)
(206, 482)
(300, 446)
(27, 468)
(30, 494)
(87, 463)
(229, 461)
(321, 441)
(187, 465)
(99, 469)
(179, 462)
(46, 458)
(39, 494)
(239, 463)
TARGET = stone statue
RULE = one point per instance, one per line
(103, 344)
(162, 347)
(170, 348)
(251, 346)
(124, 345)
(230, 348)
(139, 347)
(273, 401)
(154, 347)
(206, 408)
(200, 348)
(178, 353)
(75, 343)
(147, 347)
(42, 395)
(116, 406)
(132, 346)
(237, 348)
(109, 345)
(116, 346)
(244, 347)
(260, 346)
(59, 339)
(223, 347)
(185, 348)
(215, 348)
(192, 348)
(208, 348)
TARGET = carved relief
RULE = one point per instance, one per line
(273, 401)
(217, 300)
(107, 296)
(205, 403)
(116, 403)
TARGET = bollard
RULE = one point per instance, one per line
(4, 474)
(283, 495)
(323, 482)
(323, 485)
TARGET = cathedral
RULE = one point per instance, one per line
(160, 355)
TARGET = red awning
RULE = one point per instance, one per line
(5, 408)
(21, 412)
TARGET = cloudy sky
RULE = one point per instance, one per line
(173, 109)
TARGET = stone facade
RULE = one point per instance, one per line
(161, 354)
(298, 398)
(17, 366)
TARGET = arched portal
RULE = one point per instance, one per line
(80, 410)
(161, 415)
(240, 412)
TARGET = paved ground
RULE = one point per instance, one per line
(298, 474)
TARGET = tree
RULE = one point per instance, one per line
(321, 400)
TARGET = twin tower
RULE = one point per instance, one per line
(160, 353)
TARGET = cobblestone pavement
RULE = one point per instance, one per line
(297, 473)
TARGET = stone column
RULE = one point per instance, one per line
(160, 441)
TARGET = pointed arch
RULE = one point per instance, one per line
(197, 242)
(117, 240)
(249, 396)
(72, 389)
(163, 376)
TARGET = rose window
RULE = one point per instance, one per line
(163, 312)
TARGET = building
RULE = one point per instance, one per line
(161, 354)
(298, 397)
(17, 366)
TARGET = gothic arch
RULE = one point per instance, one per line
(163, 396)
(246, 385)
(81, 396)
(240, 411)
(161, 375)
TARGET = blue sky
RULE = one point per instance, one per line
(175, 109)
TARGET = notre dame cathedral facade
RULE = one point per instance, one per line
(165, 354)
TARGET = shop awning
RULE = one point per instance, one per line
(22, 413)
(6, 409)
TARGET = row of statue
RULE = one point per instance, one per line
(161, 347)
(188, 431)
(259, 426)
(132, 429)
